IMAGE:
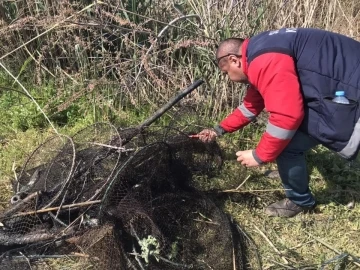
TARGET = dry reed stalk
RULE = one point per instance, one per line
(49, 30)
(159, 35)
(331, 247)
(69, 206)
(251, 190)
(39, 62)
(183, 58)
(271, 244)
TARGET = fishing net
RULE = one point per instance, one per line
(47, 169)
(125, 199)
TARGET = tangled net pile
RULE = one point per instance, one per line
(119, 199)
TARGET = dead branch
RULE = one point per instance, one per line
(57, 208)
(271, 244)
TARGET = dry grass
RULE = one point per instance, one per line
(151, 52)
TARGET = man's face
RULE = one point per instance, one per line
(231, 66)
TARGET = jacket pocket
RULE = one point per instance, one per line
(337, 121)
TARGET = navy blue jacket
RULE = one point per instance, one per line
(325, 62)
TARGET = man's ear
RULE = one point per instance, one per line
(235, 60)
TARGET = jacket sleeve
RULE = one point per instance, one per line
(275, 76)
(249, 109)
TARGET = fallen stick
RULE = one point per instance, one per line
(245, 191)
(243, 182)
(57, 208)
(281, 264)
(34, 257)
(331, 248)
(122, 149)
(271, 244)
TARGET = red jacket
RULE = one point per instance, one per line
(275, 86)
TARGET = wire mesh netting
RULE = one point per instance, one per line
(119, 199)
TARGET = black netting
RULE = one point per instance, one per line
(125, 199)
(48, 169)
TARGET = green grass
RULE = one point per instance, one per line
(307, 239)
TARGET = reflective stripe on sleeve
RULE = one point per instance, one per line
(279, 133)
(353, 144)
(248, 114)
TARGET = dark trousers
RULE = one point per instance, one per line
(293, 171)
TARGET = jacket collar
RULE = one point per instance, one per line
(244, 56)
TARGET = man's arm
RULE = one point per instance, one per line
(274, 75)
(247, 112)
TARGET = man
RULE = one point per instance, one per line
(293, 73)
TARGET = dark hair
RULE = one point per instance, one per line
(229, 45)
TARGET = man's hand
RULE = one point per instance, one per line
(207, 135)
(246, 158)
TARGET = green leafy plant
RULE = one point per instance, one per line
(149, 247)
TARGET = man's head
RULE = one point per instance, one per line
(228, 57)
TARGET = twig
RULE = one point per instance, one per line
(331, 248)
(234, 258)
(247, 178)
(181, 266)
(27, 259)
(271, 244)
(42, 66)
(137, 257)
(68, 76)
(281, 264)
(80, 255)
(253, 190)
(159, 35)
(122, 149)
(209, 222)
(154, 20)
(250, 240)
(302, 244)
(15, 176)
(62, 203)
(324, 243)
(63, 71)
(74, 221)
(57, 220)
(74, 254)
(57, 208)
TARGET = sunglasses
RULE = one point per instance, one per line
(226, 55)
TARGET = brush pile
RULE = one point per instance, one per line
(119, 199)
